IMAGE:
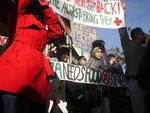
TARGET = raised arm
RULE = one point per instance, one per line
(53, 25)
(51, 20)
(124, 37)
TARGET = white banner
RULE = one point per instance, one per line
(81, 74)
(96, 13)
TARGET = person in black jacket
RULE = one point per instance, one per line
(58, 87)
(134, 52)
(119, 99)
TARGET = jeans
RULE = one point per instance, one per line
(139, 97)
(11, 103)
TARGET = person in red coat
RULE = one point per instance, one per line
(24, 70)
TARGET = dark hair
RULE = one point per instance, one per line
(110, 56)
(36, 9)
(98, 43)
(61, 51)
(52, 54)
(135, 31)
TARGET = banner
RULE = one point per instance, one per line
(82, 74)
(83, 35)
(95, 13)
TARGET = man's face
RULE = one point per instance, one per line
(114, 59)
(142, 37)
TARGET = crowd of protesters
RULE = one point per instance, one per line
(28, 83)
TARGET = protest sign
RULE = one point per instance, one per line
(95, 13)
(83, 35)
(82, 74)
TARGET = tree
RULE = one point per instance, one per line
(119, 55)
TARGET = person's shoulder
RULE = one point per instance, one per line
(118, 68)
(91, 59)
(122, 28)
(117, 65)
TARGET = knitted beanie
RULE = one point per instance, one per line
(98, 43)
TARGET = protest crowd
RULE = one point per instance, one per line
(31, 82)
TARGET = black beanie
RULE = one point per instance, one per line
(61, 51)
(98, 43)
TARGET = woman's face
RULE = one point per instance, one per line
(65, 57)
(98, 54)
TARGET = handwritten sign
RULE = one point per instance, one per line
(81, 74)
(83, 36)
(96, 13)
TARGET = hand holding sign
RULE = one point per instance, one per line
(123, 6)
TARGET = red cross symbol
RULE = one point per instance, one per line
(117, 21)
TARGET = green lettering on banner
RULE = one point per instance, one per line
(102, 13)
(92, 77)
(71, 10)
(67, 9)
(64, 8)
(87, 74)
(105, 20)
(78, 13)
(96, 76)
(83, 74)
(58, 69)
(88, 17)
(55, 3)
(65, 71)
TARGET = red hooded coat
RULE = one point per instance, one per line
(23, 68)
